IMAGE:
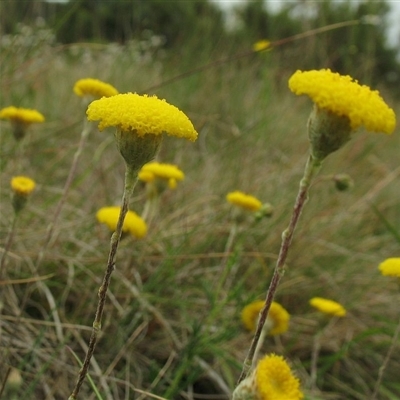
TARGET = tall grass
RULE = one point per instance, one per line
(167, 329)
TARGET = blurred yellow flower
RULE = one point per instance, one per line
(14, 380)
(390, 267)
(343, 96)
(275, 381)
(94, 87)
(133, 224)
(21, 119)
(146, 176)
(244, 200)
(22, 185)
(327, 306)
(169, 172)
(261, 45)
(277, 320)
(21, 115)
(143, 115)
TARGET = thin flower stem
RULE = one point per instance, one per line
(67, 185)
(152, 203)
(50, 228)
(228, 248)
(314, 362)
(8, 244)
(311, 169)
(130, 182)
(4, 381)
(315, 353)
(223, 274)
(258, 348)
(386, 361)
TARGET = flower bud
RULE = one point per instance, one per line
(343, 182)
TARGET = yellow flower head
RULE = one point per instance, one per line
(261, 45)
(94, 87)
(21, 115)
(22, 185)
(343, 96)
(169, 172)
(277, 320)
(243, 200)
(390, 267)
(143, 115)
(20, 119)
(140, 123)
(275, 381)
(133, 224)
(327, 306)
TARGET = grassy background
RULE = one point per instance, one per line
(172, 321)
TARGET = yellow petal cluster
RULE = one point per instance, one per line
(21, 115)
(390, 267)
(275, 380)
(153, 170)
(133, 224)
(343, 96)
(94, 87)
(144, 115)
(327, 306)
(22, 185)
(244, 200)
(277, 320)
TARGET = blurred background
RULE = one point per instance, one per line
(172, 323)
(369, 50)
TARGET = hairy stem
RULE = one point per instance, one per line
(310, 171)
(130, 181)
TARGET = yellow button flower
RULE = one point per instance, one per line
(244, 200)
(21, 115)
(275, 380)
(277, 320)
(94, 87)
(21, 119)
(22, 185)
(327, 306)
(145, 115)
(169, 172)
(341, 105)
(133, 224)
(390, 267)
(343, 96)
(140, 122)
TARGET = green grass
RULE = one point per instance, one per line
(171, 326)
